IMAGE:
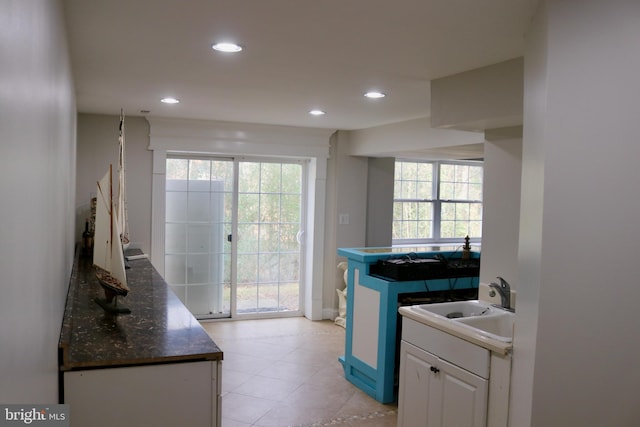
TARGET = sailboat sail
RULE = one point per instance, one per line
(122, 214)
(107, 253)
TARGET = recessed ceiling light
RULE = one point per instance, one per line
(316, 112)
(227, 47)
(374, 95)
(170, 100)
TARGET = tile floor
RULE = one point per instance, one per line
(285, 372)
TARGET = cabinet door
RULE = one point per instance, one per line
(460, 395)
(436, 393)
(416, 377)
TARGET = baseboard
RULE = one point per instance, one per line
(329, 313)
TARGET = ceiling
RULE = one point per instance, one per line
(298, 55)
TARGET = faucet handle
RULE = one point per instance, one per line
(503, 283)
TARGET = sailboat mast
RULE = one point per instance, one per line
(122, 215)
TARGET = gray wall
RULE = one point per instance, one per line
(380, 184)
(97, 148)
(37, 167)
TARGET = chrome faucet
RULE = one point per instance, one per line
(504, 290)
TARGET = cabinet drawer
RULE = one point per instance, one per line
(462, 353)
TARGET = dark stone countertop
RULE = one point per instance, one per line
(159, 329)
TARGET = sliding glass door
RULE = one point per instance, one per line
(232, 236)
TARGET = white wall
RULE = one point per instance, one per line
(97, 148)
(408, 138)
(485, 98)
(501, 205)
(37, 166)
(576, 346)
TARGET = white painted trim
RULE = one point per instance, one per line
(212, 137)
(158, 183)
(499, 388)
(329, 313)
(241, 139)
(366, 318)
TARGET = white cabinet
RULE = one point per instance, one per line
(444, 381)
(167, 394)
(434, 392)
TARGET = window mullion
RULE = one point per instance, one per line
(436, 219)
(436, 202)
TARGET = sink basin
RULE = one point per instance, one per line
(498, 326)
(459, 309)
(474, 317)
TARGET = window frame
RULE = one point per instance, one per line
(437, 203)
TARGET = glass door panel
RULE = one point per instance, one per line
(198, 220)
(270, 204)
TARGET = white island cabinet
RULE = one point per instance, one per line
(446, 381)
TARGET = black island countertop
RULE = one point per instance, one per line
(159, 329)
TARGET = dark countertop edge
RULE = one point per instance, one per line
(67, 324)
(142, 362)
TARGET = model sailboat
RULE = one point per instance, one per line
(108, 256)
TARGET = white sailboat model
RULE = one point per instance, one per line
(108, 257)
(122, 215)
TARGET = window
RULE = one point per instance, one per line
(437, 201)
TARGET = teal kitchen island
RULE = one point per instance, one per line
(379, 280)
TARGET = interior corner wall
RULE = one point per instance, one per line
(346, 198)
(37, 165)
(97, 148)
(501, 205)
(380, 184)
(331, 274)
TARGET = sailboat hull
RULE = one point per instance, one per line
(110, 283)
(112, 290)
